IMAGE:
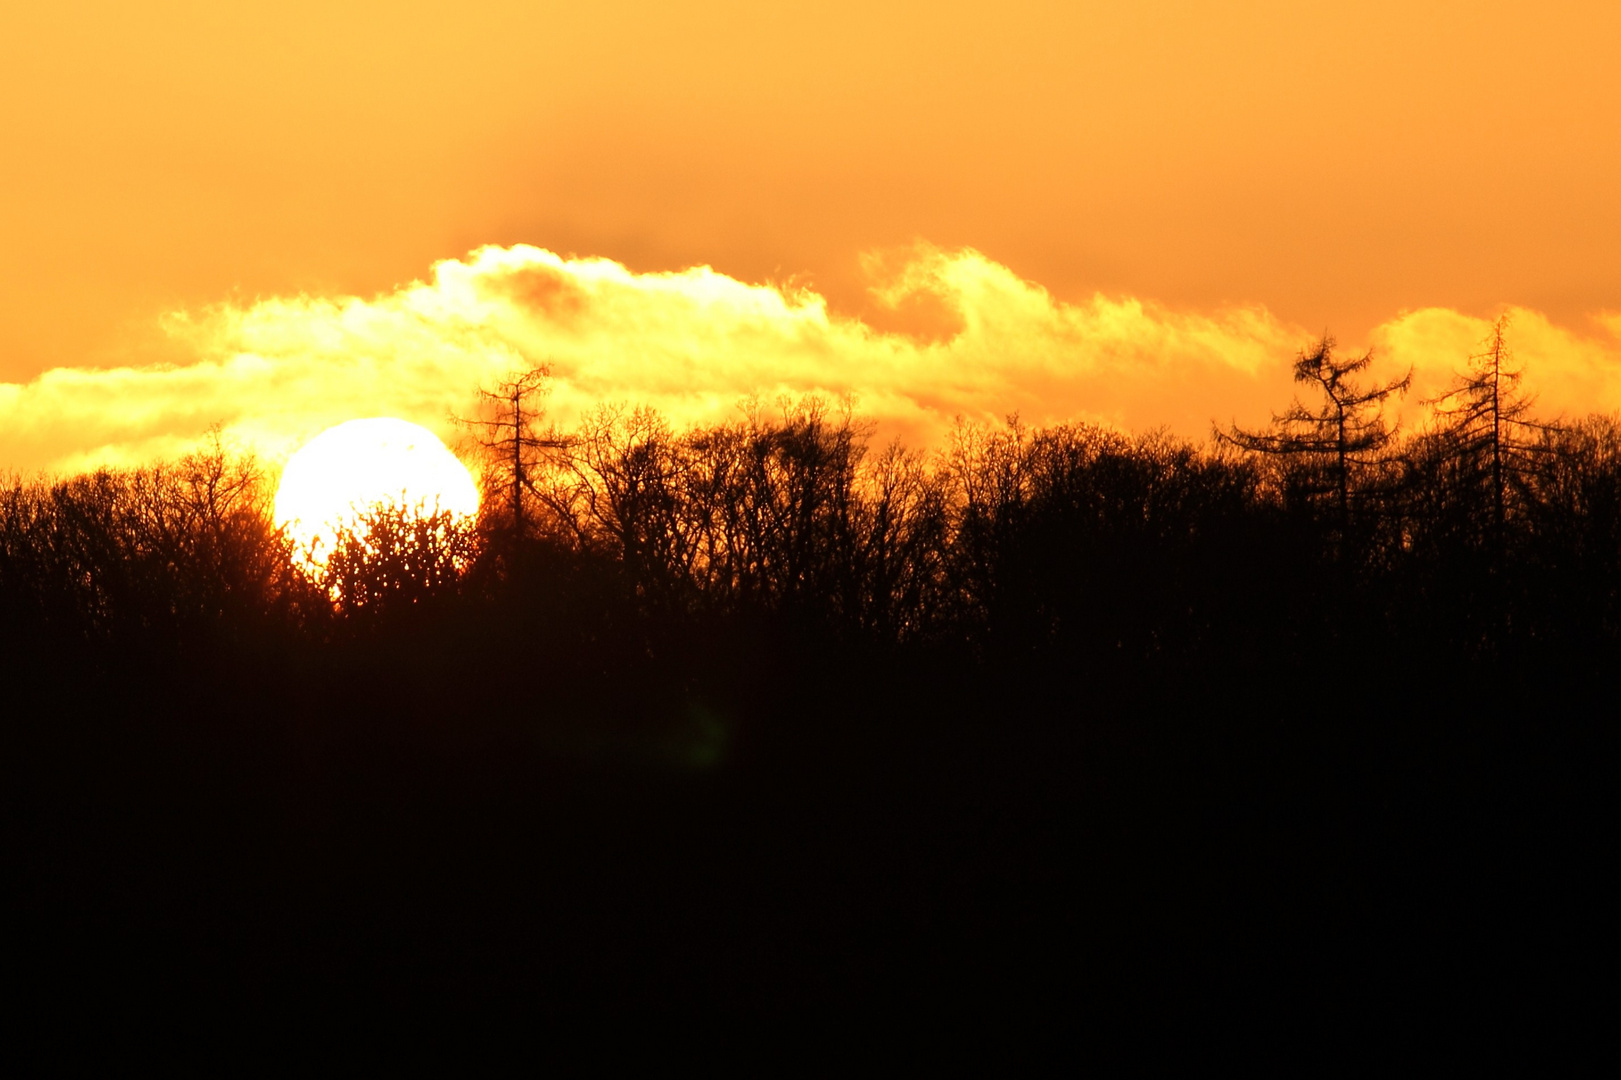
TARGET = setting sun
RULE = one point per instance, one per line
(348, 470)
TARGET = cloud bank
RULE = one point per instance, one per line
(695, 343)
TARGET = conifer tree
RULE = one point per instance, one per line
(1328, 447)
(508, 432)
(1487, 429)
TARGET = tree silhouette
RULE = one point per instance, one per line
(626, 485)
(174, 552)
(513, 445)
(1487, 432)
(1328, 448)
(395, 558)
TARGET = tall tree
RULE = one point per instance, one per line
(1330, 445)
(508, 432)
(1487, 427)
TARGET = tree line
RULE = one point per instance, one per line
(1485, 531)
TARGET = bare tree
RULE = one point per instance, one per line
(1487, 427)
(1330, 445)
(394, 559)
(513, 442)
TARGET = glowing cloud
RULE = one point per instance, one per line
(1568, 374)
(694, 343)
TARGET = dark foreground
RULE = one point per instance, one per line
(760, 724)
(812, 830)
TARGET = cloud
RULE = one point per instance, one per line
(1567, 373)
(694, 343)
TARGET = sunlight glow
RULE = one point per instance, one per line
(357, 466)
(694, 343)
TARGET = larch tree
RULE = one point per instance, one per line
(509, 434)
(1487, 427)
(1328, 446)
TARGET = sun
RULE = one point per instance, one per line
(359, 466)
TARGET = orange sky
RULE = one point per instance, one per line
(1336, 165)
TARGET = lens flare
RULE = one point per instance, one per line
(359, 466)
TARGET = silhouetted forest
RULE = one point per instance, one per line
(766, 714)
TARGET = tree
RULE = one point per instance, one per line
(513, 444)
(1486, 427)
(396, 558)
(1331, 446)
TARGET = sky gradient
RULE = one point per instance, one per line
(1265, 171)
